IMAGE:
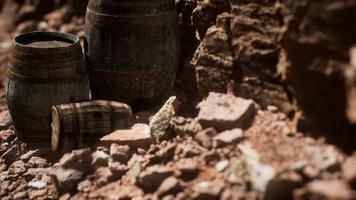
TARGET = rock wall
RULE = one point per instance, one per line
(239, 53)
(317, 41)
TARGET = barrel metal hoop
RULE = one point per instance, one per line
(77, 133)
(61, 128)
(105, 19)
(131, 77)
(28, 79)
(62, 64)
(111, 116)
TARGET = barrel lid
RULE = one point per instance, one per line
(45, 40)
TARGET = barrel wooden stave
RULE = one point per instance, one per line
(78, 125)
(131, 49)
(40, 77)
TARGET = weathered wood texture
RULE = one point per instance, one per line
(82, 124)
(45, 69)
(131, 49)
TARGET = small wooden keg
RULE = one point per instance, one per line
(131, 49)
(78, 125)
(45, 69)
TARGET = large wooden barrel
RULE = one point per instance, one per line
(79, 125)
(131, 49)
(45, 69)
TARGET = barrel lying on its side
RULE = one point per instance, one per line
(131, 49)
(45, 69)
(78, 125)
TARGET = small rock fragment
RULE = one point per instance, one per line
(100, 159)
(17, 168)
(222, 165)
(37, 162)
(260, 173)
(67, 179)
(225, 111)
(152, 177)
(37, 184)
(333, 189)
(160, 122)
(208, 190)
(78, 159)
(138, 136)
(205, 137)
(170, 185)
(349, 171)
(116, 191)
(104, 176)
(228, 137)
(84, 186)
(120, 153)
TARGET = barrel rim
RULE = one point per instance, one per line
(21, 39)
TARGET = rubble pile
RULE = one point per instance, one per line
(249, 154)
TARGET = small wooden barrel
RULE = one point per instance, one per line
(131, 49)
(45, 69)
(79, 125)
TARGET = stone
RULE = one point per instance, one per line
(84, 186)
(7, 135)
(222, 165)
(349, 170)
(205, 137)
(185, 126)
(25, 157)
(170, 185)
(100, 159)
(18, 168)
(208, 190)
(77, 159)
(138, 136)
(188, 168)
(166, 153)
(120, 153)
(37, 162)
(13, 153)
(189, 149)
(228, 137)
(35, 173)
(116, 191)
(21, 195)
(333, 189)
(260, 174)
(283, 186)
(225, 111)
(210, 156)
(104, 176)
(160, 122)
(67, 179)
(37, 184)
(117, 169)
(5, 119)
(152, 177)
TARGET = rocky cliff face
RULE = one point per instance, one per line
(317, 42)
(239, 53)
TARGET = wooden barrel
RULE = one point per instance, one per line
(45, 69)
(79, 125)
(131, 49)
